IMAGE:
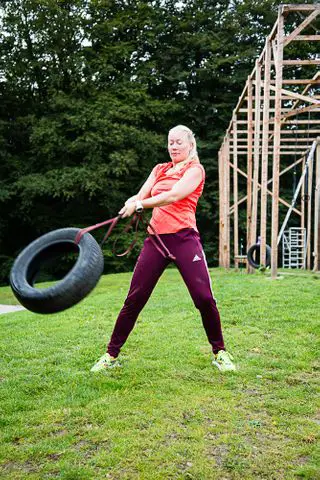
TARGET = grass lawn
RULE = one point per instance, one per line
(167, 414)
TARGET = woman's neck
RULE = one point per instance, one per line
(183, 162)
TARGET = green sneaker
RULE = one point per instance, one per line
(223, 360)
(105, 362)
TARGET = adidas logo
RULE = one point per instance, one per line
(196, 258)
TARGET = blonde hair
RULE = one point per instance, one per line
(193, 154)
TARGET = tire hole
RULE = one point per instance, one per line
(52, 263)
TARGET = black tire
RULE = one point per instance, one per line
(78, 282)
(254, 254)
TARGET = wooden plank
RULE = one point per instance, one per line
(289, 140)
(299, 7)
(249, 168)
(272, 110)
(235, 195)
(224, 195)
(291, 154)
(300, 81)
(301, 62)
(264, 155)
(227, 203)
(316, 266)
(284, 202)
(224, 222)
(307, 38)
(303, 98)
(297, 190)
(303, 210)
(288, 122)
(301, 27)
(312, 132)
(301, 147)
(285, 98)
(274, 53)
(276, 148)
(221, 203)
(284, 132)
(298, 111)
(310, 192)
(256, 155)
(299, 122)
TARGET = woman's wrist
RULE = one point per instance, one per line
(139, 206)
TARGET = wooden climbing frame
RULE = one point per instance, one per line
(272, 130)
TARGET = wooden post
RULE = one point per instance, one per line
(264, 157)
(235, 193)
(224, 214)
(249, 169)
(221, 203)
(227, 201)
(310, 178)
(257, 124)
(224, 237)
(316, 266)
(302, 197)
(276, 145)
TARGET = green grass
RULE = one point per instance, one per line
(167, 414)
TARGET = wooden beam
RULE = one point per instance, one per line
(316, 265)
(221, 206)
(272, 110)
(223, 237)
(289, 140)
(285, 132)
(299, 7)
(300, 81)
(310, 192)
(227, 202)
(285, 98)
(291, 154)
(297, 191)
(288, 122)
(303, 210)
(297, 111)
(301, 27)
(235, 195)
(284, 202)
(300, 147)
(256, 155)
(301, 62)
(249, 169)
(276, 148)
(303, 98)
(307, 38)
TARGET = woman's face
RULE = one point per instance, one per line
(178, 145)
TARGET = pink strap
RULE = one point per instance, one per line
(134, 222)
(113, 222)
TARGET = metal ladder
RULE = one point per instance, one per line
(294, 248)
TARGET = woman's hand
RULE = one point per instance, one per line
(128, 209)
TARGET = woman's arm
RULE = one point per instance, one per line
(186, 185)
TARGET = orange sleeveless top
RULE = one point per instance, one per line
(178, 215)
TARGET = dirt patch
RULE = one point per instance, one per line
(219, 454)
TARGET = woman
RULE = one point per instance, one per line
(172, 190)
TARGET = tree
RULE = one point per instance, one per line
(89, 89)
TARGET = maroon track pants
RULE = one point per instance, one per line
(186, 246)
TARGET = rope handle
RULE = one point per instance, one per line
(133, 223)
